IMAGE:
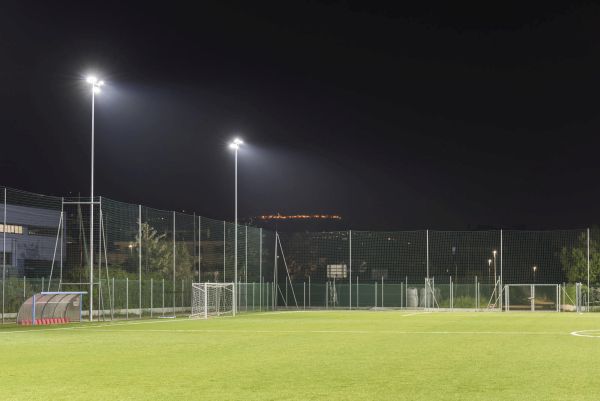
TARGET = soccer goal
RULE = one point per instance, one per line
(532, 297)
(213, 299)
(51, 308)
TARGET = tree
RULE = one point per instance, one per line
(574, 260)
(157, 255)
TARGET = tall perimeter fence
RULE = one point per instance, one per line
(135, 261)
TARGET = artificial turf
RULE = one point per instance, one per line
(316, 355)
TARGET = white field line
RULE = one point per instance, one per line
(242, 331)
(595, 333)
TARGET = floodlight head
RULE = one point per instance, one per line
(234, 146)
(91, 80)
(489, 261)
(100, 83)
(238, 141)
(494, 252)
(534, 268)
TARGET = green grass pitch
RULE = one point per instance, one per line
(317, 355)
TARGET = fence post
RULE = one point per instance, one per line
(151, 296)
(174, 283)
(308, 292)
(163, 296)
(199, 249)
(376, 294)
(4, 255)
(350, 275)
(182, 291)
(24, 289)
(501, 289)
(357, 291)
(260, 268)
(140, 257)
(304, 295)
(113, 299)
(127, 298)
(588, 271)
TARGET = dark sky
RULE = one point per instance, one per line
(429, 116)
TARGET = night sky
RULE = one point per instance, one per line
(429, 116)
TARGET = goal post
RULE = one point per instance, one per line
(532, 297)
(213, 299)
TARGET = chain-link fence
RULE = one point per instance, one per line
(144, 261)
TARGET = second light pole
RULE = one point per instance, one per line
(95, 84)
(235, 145)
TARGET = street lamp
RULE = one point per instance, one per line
(489, 268)
(534, 270)
(494, 252)
(235, 145)
(95, 84)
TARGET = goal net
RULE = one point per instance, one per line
(532, 297)
(51, 308)
(212, 299)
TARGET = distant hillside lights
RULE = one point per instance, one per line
(300, 217)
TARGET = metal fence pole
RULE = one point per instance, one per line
(588, 271)
(304, 295)
(151, 296)
(350, 275)
(113, 298)
(127, 298)
(501, 289)
(260, 276)
(4, 254)
(140, 257)
(224, 249)
(174, 283)
(163, 296)
(199, 249)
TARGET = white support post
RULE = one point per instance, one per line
(140, 257)
(357, 291)
(304, 296)
(501, 284)
(246, 269)
(260, 276)
(224, 249)
(275, 278)
(174, 263)
(163, 296)
(309, 292)
(588, 271)
(206, 300)
(382, 291)
(62, 242)
(199, 249)
(127, 298)
(427, 256)
(151, 296)
(350, 275)
(113, 298)
(376, 294)
(451, 294)
(4, 256)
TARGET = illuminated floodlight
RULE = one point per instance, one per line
(235, 144)
(96, 90)
(91, 80)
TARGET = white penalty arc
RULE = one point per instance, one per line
(595, 333)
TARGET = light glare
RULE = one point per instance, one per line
(234, 146)
(97, 89)
(91, 79)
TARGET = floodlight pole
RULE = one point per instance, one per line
(235, 252)
(92, 212)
